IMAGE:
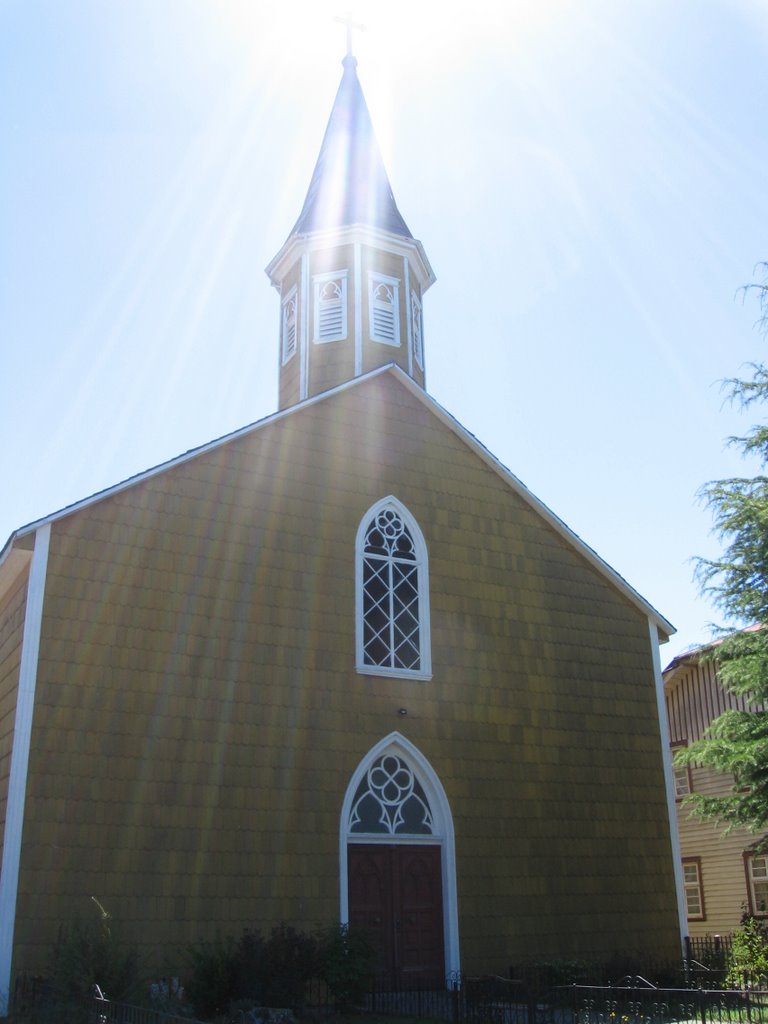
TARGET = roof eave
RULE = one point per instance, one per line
(296, 245)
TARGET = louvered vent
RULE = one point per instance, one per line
(329, 320)
(384, 323)
(330, 307)
(383, 310)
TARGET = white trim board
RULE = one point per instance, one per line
(443, 835)
(22, 735)
(664, 627)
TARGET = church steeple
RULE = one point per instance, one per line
(351, 276)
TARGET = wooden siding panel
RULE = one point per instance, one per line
(199, 714)
(11, 633)
(694, 698)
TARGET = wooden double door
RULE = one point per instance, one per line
(396, 894)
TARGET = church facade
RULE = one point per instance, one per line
(340, 665)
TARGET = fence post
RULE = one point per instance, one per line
(687, 956)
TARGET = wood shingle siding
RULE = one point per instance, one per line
(199, 715)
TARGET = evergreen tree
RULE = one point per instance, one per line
(737, 741)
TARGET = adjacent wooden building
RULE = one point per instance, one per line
(340, 665)
(723, 875)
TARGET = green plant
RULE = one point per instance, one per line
(89, 953)
(214, 976)
(289, 958)
(251, 970)
(748, 957)
(347, 958)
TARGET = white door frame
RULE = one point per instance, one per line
(442, 836)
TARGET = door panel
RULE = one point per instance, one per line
(396, 893)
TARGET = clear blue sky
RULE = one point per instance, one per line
(588, 179)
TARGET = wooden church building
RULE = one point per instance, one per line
(340, 665)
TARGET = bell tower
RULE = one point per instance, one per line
(351, 276)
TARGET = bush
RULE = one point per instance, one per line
(89, 953)
(748, 957)
(347, 958)
(251, 970)
(214, 976)
(289, 958)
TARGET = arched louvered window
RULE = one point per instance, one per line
(392, 593)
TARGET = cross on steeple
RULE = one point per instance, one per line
(351, 26)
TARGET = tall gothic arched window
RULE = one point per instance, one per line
(392, 593)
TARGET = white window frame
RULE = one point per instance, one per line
(756, 865)
(391, 285)
(323, 305)
(417, 331)
(363, 663)
(692, 885)
(291, 301)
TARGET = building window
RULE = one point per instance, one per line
(417, 332)
(757, 882)
(694, 892)
(289, 325)
(384, 320)
(681, 775)
(392, 621)
(330, 307)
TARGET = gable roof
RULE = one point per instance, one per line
(349, 184)
(664, 627)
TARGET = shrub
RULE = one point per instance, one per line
(748, 957)
(289, 959)
(251, 970)
(89, 953)
(213, 977)
(347, 958)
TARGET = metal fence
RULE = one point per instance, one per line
(641, 1004)
(483, 1000)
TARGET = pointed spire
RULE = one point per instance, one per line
(349, 184)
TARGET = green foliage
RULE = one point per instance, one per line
(89, 953)
(748, 958)
(289, 960)
(212, 980)
(737, 741)
(262, 972)
(347, 958)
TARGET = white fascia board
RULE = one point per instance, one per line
(387, 241)
(664, 627)
(179, 460)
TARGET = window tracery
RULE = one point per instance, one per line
(390, 801)
(393, 594)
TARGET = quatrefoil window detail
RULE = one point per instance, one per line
(390, 801)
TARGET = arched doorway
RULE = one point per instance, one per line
(398, 874)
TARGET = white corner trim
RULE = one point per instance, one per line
(22, 733)
(358, 309)
(407, 304)
(304, 334)
(443, 836)
(669, 780)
